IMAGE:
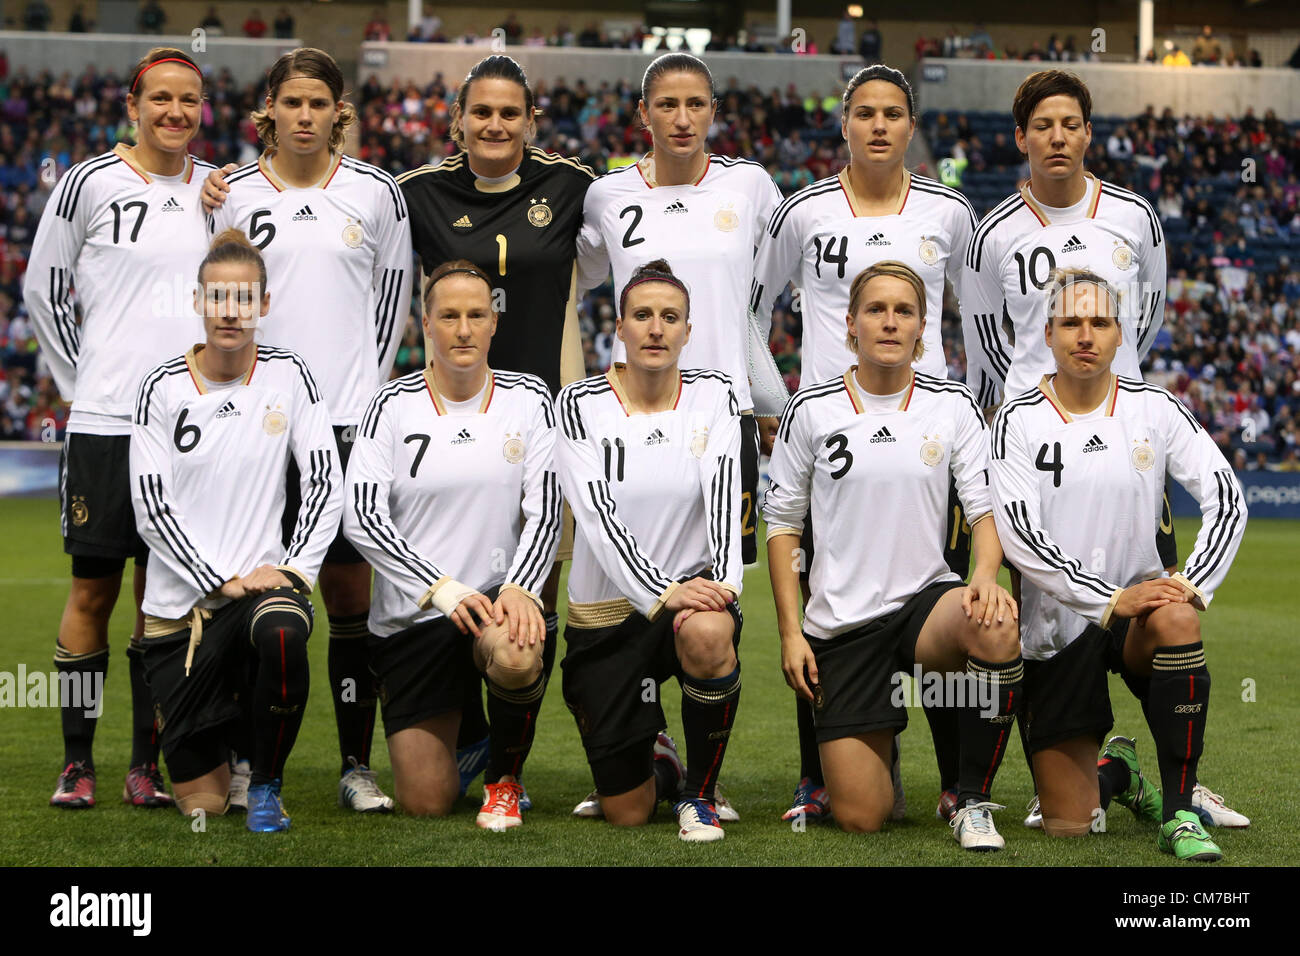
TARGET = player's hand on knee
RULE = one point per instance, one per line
(527, 626)
(799, 665)
(470, 606)
(1143, 598)
(681, 617)
(263, 579)
(215, 188)
(234, 588)
(985, 601)
(699, 594)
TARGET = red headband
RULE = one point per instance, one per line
(170, 59)
(653, 277)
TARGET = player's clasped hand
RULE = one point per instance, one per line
(985, 601)
(471, 605)
(798, 663)
(1141, 599)
(257, 581)
(699, 594)
(527, 626)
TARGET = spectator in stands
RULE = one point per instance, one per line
(1003, 152)
(37, 16)
(1175, 55)
(1256, 61)
(284, 24)
(513, 29)
(212, 23)
(1207, 50)
(377, 30)
(255, 26)
(1120, 145)
(563, 35)
(845, 34)
(590, 35)
(431, 26)
(980, 36)
(77, 22)
(870, 45)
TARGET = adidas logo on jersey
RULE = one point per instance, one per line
(304, 215)
(463, 437)
(1074, 245)
(1095, 444)
(676, 208)
(171, 205)
(228, 410)
(656, 437)
(463, 223)
(878, 240)
(882, 436)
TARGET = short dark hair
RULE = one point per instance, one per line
(316, 65)
(495, 67)
(1039, 86)
(878, 72)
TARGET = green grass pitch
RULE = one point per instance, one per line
(1251, 757)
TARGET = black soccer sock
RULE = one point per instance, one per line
(985, 729)
(1021, 725)
(945, 729)
(552, 639)
(144, 732)
(80, 709)
(352, 687)
(810, 758)
(708, 713)
(513, 714)
(1177, 705)
(280, 690)
(1112, 778)
(473, 722)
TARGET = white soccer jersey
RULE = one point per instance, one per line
(131, 243)
(435, 489)
(1111, 232)
(1078, 499)
(655, 498)
(707, 232)
(874, 470)
(338, 262)
(817, 240)
(208, 477)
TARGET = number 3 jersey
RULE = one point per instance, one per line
(338, 264)
(131, 243)
(463, 490)
(208, 464)
(1078, 501)
(874, 471)
(655, 498)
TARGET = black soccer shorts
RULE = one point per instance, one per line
(749, 451)
(341, 550)
(98, 520)
(1068, 695)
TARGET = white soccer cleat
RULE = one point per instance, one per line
(698, 822)
(726, 812)
(241, 773)
(972, 827)
(589, 808)
(1035, 819)
(358, 790)
(896, 777)
(1209, 806)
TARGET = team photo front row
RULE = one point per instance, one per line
(647, 459)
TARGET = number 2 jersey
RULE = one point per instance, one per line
(655, 498)
(1110, 231)
(338, 263)
(208, 464)
(463, 490)
(707, 232)
(1078, 499)
(131, 243)
(817, 240)
(874, 471)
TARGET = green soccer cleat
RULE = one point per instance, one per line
(1142, 798)
(1183, 837)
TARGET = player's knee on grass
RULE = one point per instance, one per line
(505, 663)
(860, 818)
(210, 804)
(631, 809)
(704, 644)
(1055, 827)
(428, 800)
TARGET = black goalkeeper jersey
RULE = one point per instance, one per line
(523, 234)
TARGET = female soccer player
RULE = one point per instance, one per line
(1078, 472)
(705, 212)
(459, 567)
(126, 228)
(213, 433)
(336, 233)
(515, 211)
(648, 461)
(819, 238)
(870, 455)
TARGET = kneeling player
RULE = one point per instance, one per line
(228, 609)
(649, 460)
(444, 462)
(1078, 470)
(870, 454)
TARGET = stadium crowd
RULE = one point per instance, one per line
(1226, 189)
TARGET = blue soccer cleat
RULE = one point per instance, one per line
(471, 762)
(265, 812)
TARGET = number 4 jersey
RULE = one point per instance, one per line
(131, 243)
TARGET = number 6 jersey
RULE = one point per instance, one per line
(1078, 499)
(208, 464)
